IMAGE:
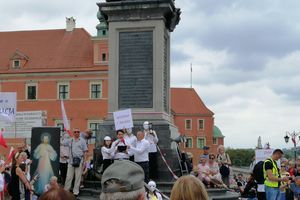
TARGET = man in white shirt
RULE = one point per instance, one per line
(130, 140)
(151, 137)
(141, 153)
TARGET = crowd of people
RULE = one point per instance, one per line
(275, 178)
(129, 166)
(140, 149)
(74, 163)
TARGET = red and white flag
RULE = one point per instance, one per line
(65, 118)
(10, 155)
(2, 140)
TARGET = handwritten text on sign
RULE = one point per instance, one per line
(123, 119)
(8, 106)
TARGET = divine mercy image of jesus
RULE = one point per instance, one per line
(44, 153)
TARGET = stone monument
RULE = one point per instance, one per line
(139, 69)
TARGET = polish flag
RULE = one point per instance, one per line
(65, 118)
(2, 140)
(10, 155)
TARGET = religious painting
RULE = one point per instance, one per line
(45, 142)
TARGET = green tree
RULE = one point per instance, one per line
(241, 157)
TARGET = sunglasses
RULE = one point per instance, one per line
(212, 158)
(76, 132)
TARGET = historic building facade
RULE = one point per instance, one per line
(195, 122)
(47, 66)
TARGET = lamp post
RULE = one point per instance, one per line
(293, 135)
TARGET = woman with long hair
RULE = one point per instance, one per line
(18, 182)
(214, 172)
(188, 187)
(224, 163)
(107, 153)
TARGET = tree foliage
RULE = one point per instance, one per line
(241, 157)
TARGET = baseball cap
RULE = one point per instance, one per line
(205, 148)
(129, 175)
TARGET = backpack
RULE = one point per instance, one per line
(258, 172)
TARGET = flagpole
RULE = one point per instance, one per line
(191, 75)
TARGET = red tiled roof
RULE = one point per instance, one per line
(187, 101)
(47, 50)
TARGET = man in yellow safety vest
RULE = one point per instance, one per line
(272, 176)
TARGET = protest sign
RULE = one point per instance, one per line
(8, 102)
(23, 124)
(123, 119)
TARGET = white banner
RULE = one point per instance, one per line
(262, 154)
(25, 121)
(8, 106)
(123, 119)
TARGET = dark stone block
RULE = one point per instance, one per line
(136, 69)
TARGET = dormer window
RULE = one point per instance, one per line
(18, 60)
(16, 64)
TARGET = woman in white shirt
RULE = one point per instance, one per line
(107, 153)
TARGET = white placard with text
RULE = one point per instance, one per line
(8, 106)
(123, 119)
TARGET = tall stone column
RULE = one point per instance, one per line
(139, 68)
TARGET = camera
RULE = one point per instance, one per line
(150, 127)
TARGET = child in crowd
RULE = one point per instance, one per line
(52, 184)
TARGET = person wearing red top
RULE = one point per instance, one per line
(291, 168)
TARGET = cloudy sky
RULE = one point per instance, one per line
(245, 57)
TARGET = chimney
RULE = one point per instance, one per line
(70, 24)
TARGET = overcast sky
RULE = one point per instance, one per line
(245, 57)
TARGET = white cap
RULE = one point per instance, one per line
(107, 138)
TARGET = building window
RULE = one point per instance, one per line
(215, 141)
(94, 126)
(200, 142)
(63, 91)
(31, 91)
(200, 124)
(104, 57)
(189, 142)
(103, 32)
(188, 124)
(17, 64)
(96, 90)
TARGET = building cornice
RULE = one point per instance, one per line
(36, 74)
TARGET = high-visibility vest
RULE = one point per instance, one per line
(275, 173)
